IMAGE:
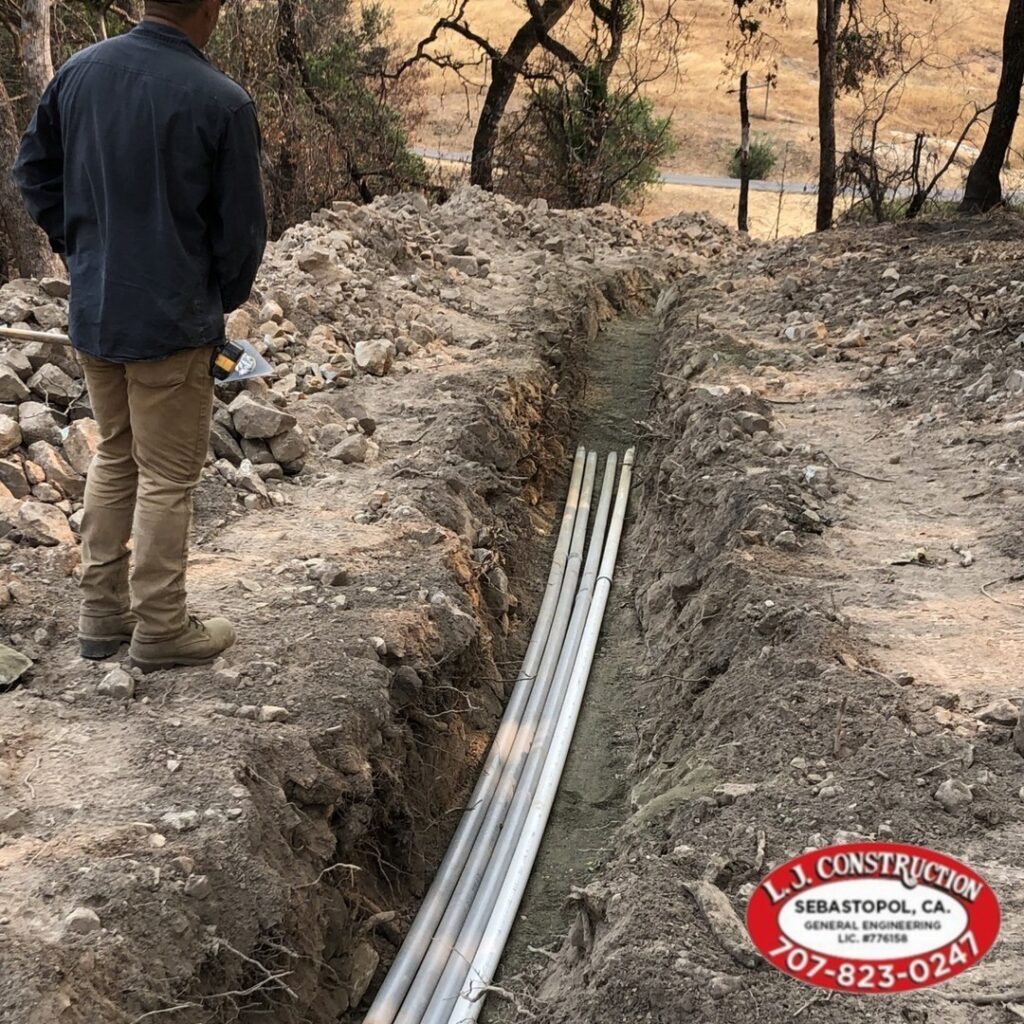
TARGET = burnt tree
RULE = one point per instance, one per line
(506, 68)
(828, 40)
(984, 189)
(743, 216)
(536, 56)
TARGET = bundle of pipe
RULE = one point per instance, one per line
(452, 950)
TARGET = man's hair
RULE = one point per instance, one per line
(173, 10)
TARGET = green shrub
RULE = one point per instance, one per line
(583, 143)
(762, 159)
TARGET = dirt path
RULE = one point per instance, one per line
(930, 620)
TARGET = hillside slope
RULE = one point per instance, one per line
(704, 111)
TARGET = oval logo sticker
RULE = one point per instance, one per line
(873, 918)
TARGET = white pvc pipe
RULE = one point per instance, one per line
(462, 952)
(395, 986)
(444, 936)
(484, 962)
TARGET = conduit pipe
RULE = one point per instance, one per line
(395, 986)
(492, 895)
(495, 822)
(481, 970)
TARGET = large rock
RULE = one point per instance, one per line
(82, 921)
(12, 387)
(55, 287)
(362, 967)
(289, 446)
(12, 476)
(467, 265)
(51, 314)
(750, 422)
(10, 435)
(38, 423)
(43, 524)
(254, 419)
(238, 326)
(16, 359)
(39, 353)
(1000, 712)
(353, 449)
(14, 309)
(375, 356)
(13, 665)
(271, 310)
(257, 452)
(224, 445)
(56, 469)
(322, 266)
(953, 794)
(118, 684)
(349, 408)
(80, 444)
(311, 259)
(52, 384)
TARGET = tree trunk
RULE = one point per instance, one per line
(291, 55)
(504, 76)
(828, 27)
(35, 45)
(742, 220)
(28, 250)
(983, 190)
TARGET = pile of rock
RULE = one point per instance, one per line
(47, 435)
(355, 293)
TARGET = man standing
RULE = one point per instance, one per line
(142, 166)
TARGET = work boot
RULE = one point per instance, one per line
(101, 636)
(200, 644)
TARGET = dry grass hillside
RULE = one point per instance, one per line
(705, 113)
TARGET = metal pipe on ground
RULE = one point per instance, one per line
(399, 978)
(472, 934)
(18, 334)
(480, 971)
(422, 988)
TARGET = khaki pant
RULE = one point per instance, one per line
(154, 424)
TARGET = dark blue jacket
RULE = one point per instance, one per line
(142, 166)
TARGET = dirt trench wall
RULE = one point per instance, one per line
(762, 727)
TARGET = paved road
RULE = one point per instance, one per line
(669, 178)
(802, 188)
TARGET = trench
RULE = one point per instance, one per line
(616, 372)
(610, 381)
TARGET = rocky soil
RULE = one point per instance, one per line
(248, 841)
(823, 554)
(829, 540)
